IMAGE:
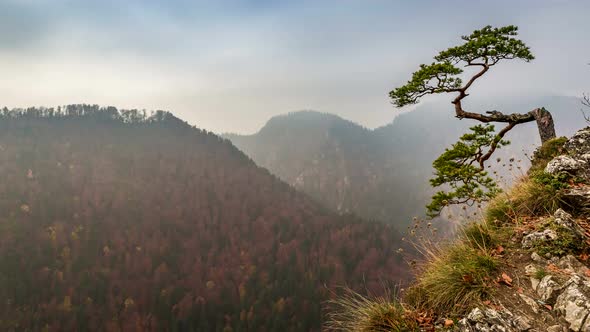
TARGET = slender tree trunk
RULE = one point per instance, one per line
(544, 124)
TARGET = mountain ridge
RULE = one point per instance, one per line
(351, 168)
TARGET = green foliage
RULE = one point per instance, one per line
(484, 47)
(429, 79)
(540, 273)
(459, 168)
(488, 45)
(552, 182)
(566, 243)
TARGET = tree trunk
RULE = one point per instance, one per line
(544, 124)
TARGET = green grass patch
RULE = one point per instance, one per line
(549, 150)
(566, 242)
(540, 273)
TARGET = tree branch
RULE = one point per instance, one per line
(494, 145)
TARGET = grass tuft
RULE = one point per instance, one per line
(549, 150)
(540, 273)
(480, 235)
(455, 277)
(537, 194)
(354, 312)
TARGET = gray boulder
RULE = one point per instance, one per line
(548, 289)
(579, 143)
(574, 304)
(532, 239)
(566, 220)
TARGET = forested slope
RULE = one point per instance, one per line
(114, 221)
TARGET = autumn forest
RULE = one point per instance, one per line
(121, 221)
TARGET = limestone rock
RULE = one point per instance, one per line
(571, 264)
(555, 328)
(578, 198)
(530, 302)
(548, 289)
(574, 304)
(493, 321)
(537, 258)
(537, 237)
(476, 316)
(566, 220)
(579, 143)
(521, 323)
(577, 161)
(564, 164)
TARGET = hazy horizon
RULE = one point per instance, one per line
(230, 66)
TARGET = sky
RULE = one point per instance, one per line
(228, 65)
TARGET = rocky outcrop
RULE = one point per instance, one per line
(579, 143)
(576, 162)
(491, 320)
(574, 303)
(555, 294)
(558, 301)
(535, 238)
(578, 198)
(566, 221)
(565, 302)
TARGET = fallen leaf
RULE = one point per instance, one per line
(499, 250)
(548, 307)
(584, 257)
(506, 279)
(448, 323)
(487, 302)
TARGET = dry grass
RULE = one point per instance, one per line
(353, 312)
(531, 196)
(454, 277)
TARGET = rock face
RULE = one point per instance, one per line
(574, 304)
(576, 164)
(578, 197)
(548, 289)
(577, 161)
(579, 143)
(566, 221)
(569, 299)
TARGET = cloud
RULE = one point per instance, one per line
(229, 65)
